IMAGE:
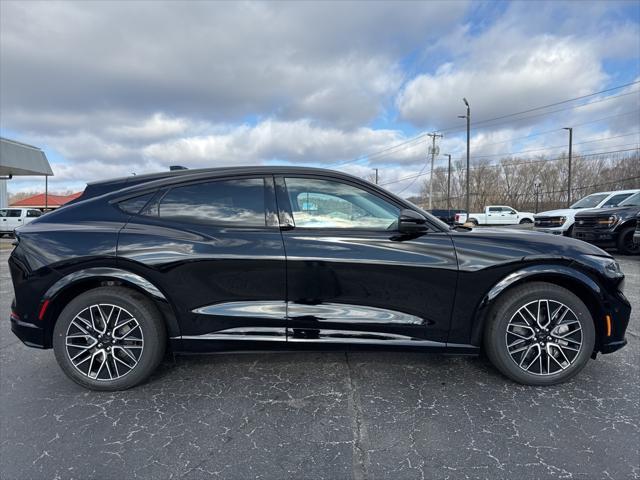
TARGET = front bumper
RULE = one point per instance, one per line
(605, 238)
(553, 230)
(618, 308)
(30, 334)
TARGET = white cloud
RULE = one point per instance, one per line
(528, 72)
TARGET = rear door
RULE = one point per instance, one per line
(215, 249)
(10, 219)
(351, 277)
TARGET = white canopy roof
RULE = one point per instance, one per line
(18, 158)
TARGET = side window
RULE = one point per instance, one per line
(34, 213)
(134, 205)
(14, 213)
(616, 199)
(240, 202)
(4, 213)
(495, 209)
(330, 204)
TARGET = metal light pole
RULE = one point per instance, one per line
(46, 193)
(468, 117)
(376, 175)
(449, 183)
(569, 179)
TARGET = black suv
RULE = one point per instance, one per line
(295, 258)
(610, 227)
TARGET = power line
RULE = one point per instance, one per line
(595, 185)
(536, 134)
(514, 164)
(507, 154)
(555, 130)
(457, 127)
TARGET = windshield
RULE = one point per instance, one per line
(632, 201)
(590, 201)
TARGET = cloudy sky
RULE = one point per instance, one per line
(114, 88)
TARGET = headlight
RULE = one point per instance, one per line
(607, 265)
(611, 220)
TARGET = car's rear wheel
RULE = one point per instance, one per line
(625, 243)
(525, 220)
(539, 334)
(109, 338)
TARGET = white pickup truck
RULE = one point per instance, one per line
(12, 218)
(496, 215)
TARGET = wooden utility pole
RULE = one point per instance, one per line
(433, 152)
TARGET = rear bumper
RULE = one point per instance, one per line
(30, 334)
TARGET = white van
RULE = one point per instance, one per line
(12, 218)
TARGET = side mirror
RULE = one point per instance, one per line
(411, 221)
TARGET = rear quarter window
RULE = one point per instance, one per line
(136, 204)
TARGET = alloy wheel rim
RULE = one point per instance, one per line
(544, 337)
(104, 342)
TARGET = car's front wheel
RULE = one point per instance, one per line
(539, 334)
(109, 338)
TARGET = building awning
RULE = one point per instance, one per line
(18, 158)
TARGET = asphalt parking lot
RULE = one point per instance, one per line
(320, 415)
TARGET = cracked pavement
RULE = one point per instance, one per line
(320, 415)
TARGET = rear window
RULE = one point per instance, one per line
(229, 202)
(10, 213)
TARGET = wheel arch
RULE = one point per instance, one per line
(577, 282)
(78, 282)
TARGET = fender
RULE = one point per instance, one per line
(542, 271)
(105, 273)
(127, 278)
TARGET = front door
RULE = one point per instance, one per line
(351, 278)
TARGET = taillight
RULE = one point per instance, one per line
(457, 217)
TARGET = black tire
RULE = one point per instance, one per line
(625, 243)
(149, 322)
(525, 220)
(507, 307)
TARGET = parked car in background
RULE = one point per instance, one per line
(611, 227)
(636, 234)
(496, 215)
(560, 222)
(447, 216)
(12, 218)
(274, 258)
